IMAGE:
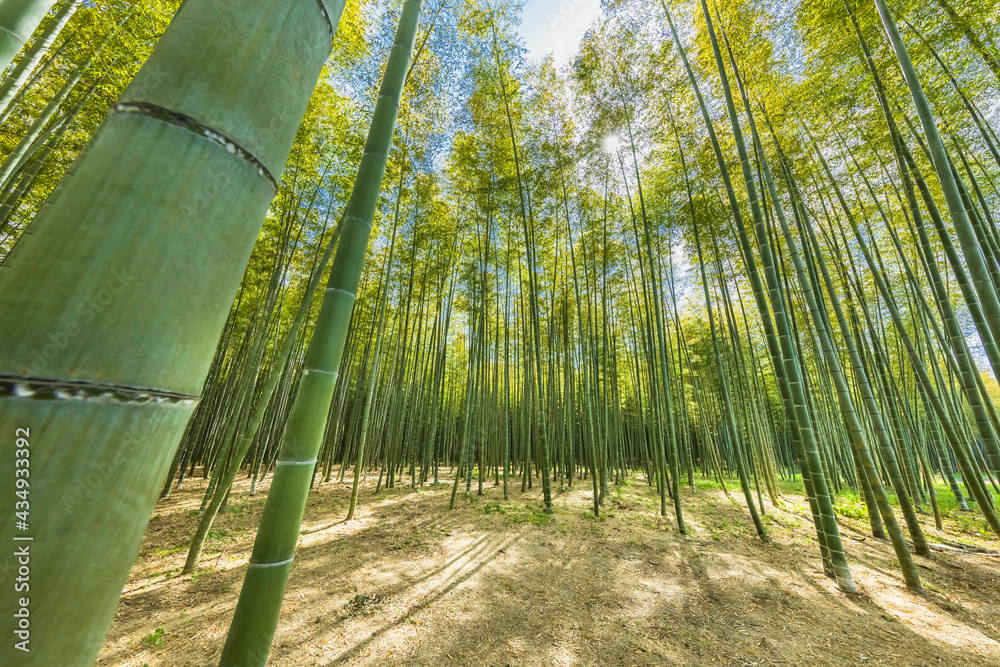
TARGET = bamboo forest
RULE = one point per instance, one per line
(499, 332)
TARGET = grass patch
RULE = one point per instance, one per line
(536, 518)
(491, 508)
(154, 638)
(849, 504)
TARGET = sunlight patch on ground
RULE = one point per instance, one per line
(408, 582)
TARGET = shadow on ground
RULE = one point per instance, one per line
(408, 582)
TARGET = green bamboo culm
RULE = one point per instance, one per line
(852, 421)
(13, 82)
(727, 402)
(976, 262)
(372, 374)
(29, 142)
(256, 617)
(110, 311)
(18, 20)
(246, 440)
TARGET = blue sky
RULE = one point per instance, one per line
(556, 26)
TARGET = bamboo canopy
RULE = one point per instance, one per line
(309, 241)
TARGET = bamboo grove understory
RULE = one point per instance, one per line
(738, 240)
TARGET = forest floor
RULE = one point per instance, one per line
(408, 582)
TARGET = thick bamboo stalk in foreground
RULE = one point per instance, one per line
(18, 19)
(12, 83)
(111, 310)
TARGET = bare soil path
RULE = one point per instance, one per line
(499, 583)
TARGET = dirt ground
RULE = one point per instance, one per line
(408, 582)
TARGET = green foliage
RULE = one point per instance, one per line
(154, 638)
(493, 507)
(462, 199)
(167, 552)
(849, 503)
(971, 525)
